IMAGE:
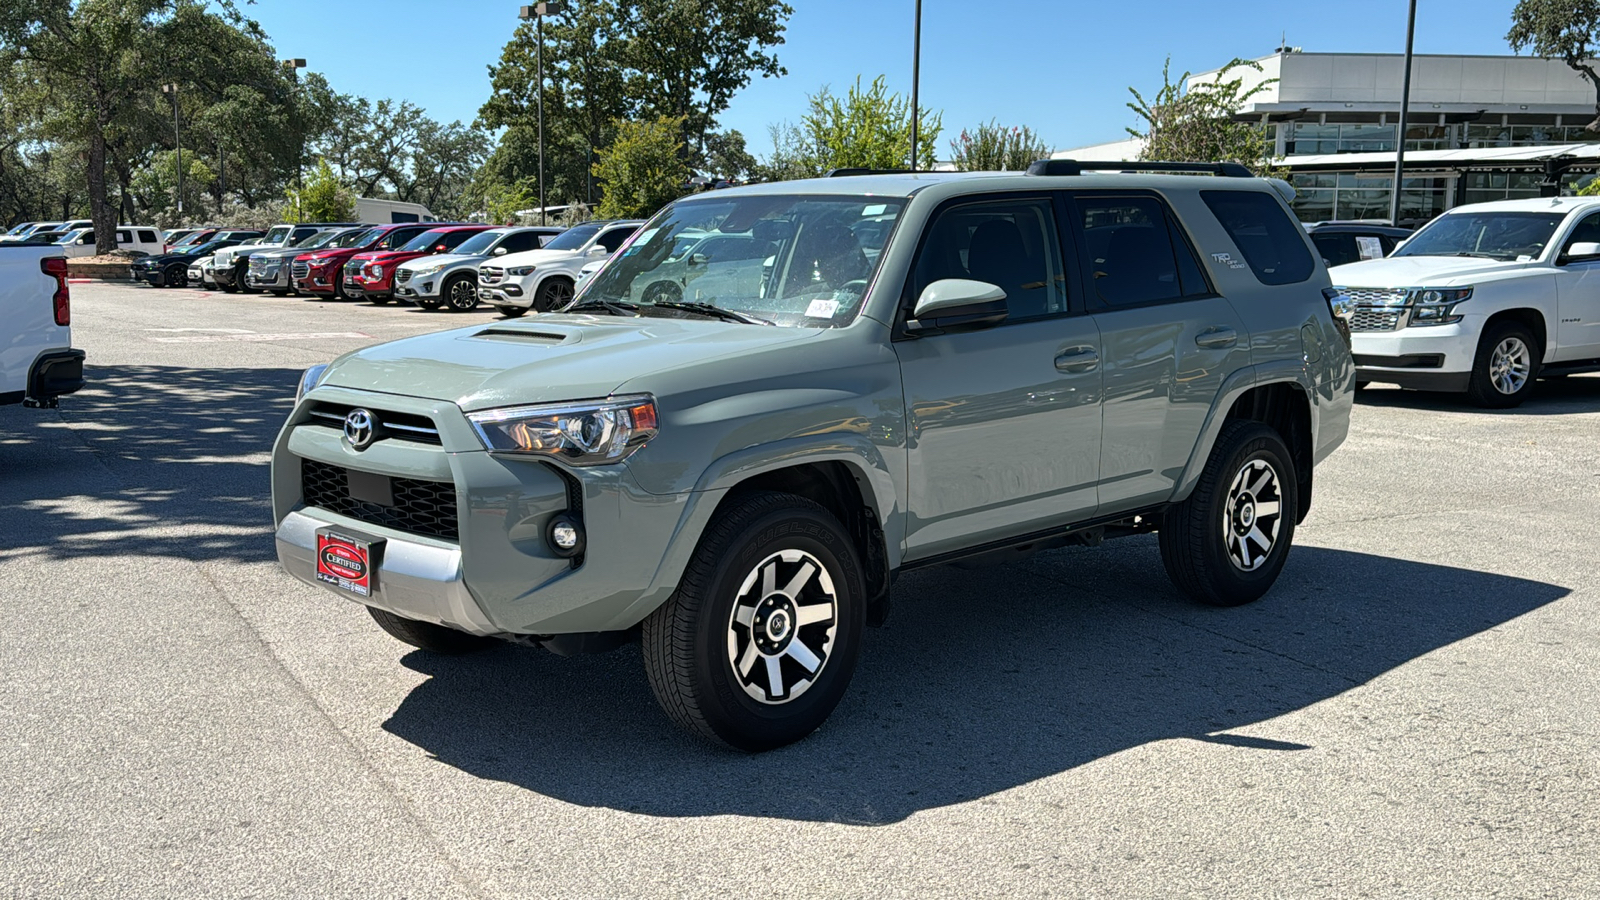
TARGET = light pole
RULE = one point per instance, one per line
(177, 139)
(294, 66)
(537, 12)
(916, 65)
(1405, 108)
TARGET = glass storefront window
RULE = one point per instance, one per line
(1343, 196)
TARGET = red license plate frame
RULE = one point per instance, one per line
(347, 561)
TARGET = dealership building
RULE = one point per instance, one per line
(1479, 128)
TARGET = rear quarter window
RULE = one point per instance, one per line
(1271, 243)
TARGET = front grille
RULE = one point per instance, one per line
(300, 270)
(420, 507)
(1368, 319)
(490, 275)
(1376, 296)
(352, 268)
(401, 426)
(403, 276)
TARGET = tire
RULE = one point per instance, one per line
(338, 286)
(1212, 543)
(176, 276)
(512, 312)
(460, 293)
(662, 290)
(554, 293)
(241, 280)
(428, 636)
(695, 644)
(1505, 367)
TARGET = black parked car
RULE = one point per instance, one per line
(1348, 242)
(172, 269)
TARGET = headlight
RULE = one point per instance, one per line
(309, 379)
(425, 271)
(375, 271)
(1437, 306)
(582, 433)
(519, 271)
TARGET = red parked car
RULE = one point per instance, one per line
(370, 274)
(322, 272)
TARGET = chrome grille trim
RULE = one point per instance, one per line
(491, 275)
(300, 270)
(1367, 318)
(402, 276)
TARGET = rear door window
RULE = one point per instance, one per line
(1136, 252)
(147, 237)
(1271, 243)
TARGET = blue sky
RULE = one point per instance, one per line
(1061, 67)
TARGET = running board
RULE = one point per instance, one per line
(1090, 534)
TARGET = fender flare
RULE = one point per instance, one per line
(1287, 371)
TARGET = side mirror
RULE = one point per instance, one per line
(499, 251)
(441, 248)
(1582, 250)
(699, 259)
(598, 250)
(954, 304)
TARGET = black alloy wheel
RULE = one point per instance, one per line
(553, 294)
(176, 276)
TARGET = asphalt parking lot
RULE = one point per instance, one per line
(1410, 713)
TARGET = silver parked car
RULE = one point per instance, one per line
(269, 269)
(450, 279)
(878, 373)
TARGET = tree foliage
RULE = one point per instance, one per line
(643, 169)
(1567, 30)
(867, 128)
(996, 148)
(323, 199)
(1188, 121)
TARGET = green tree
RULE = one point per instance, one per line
(324, 198)
(84, 74)
(643, 169)
(155, 185)
(727, 157)
(1200, 123)
(687, 58)
(1567, 30)
(868, 128)
(996, 148)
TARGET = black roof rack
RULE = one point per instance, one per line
(845, 173)
(1074, 167)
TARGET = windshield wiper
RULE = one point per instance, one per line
(715, 312)
(614, 307)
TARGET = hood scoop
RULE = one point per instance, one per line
(517, 335)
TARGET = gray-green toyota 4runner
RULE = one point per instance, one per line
(773, 399)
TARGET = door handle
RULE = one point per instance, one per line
(1078, 359)
(1217, 337)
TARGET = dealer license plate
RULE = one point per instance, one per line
(348, 562)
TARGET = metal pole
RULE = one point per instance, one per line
(1405, 109)
(916, 64)
(177, 138)
(539, 26)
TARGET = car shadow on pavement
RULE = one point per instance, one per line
(981, 682)
(146, 461)
(1551, 397)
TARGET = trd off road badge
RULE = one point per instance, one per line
(1226, 259)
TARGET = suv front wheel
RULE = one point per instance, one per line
(1504, 369)
(1226, 544)
(757, 645)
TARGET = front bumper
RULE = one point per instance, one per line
(1433, 358)
(270, 279)
(505, 294)
(223, 276)
(499, 575)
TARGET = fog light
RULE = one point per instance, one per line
(565, 535)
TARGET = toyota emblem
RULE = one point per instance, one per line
(360, 427)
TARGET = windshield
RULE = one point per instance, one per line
(277, 235)
(1492, 235)
(205, 249)
(355, 237)
(480, 243)
(798, 260)
(69, 237)
(573, 238)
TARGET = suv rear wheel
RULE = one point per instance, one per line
(1504, 369)
(758, 643)
(1226, 544)
(428, 636)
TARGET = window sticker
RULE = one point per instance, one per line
(1370, 247)
(822, 309)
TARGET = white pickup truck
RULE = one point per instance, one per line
(37, 362)
(1485, 299)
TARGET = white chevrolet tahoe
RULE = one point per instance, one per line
(37, 362)
(1484, 299)
(544, 279)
